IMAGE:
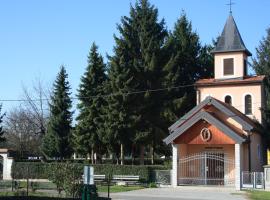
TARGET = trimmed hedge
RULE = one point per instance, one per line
(34, 170)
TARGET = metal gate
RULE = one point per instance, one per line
(207, 168)
(253, 180)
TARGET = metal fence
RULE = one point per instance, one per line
(253, 180)
(162, 177)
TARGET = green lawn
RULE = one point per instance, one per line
(258, 195)
(113, 189)
(42, 194)
(117, 188)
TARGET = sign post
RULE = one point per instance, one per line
(89, 189)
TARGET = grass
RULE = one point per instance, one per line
(258, 195)
(118, 188)
(38, 194)
(113, 189)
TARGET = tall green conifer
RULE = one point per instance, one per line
(90, 128)
(56, 142)
(188, 61)
(261, 65)
(139, 54)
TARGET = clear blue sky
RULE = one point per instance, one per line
(36, 37)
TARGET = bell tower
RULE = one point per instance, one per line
(231, 83)
(230, 53)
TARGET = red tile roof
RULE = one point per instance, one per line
(244, 80)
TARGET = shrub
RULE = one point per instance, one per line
(66, 176)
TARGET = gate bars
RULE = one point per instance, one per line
(207, 168)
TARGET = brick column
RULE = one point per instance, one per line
(175, 158)
(238, 165)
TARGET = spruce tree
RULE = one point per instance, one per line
(140, 52)
(119, 119)
(56, 142)
(261, 65)
(90, 128)
(188, 61)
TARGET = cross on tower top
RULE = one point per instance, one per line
(230, 4)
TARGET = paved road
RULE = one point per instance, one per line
(181, 193)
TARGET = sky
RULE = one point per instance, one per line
(38, 36)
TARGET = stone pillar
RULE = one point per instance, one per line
(175, 158)
(238, 165)
(7, 164)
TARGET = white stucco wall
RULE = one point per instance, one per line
(238, 93)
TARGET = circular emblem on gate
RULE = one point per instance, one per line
(206, 134)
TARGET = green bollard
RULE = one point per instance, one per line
(89, 192)
(83, 193)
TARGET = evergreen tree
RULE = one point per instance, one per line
(118, 120)
(89, 131)
(2, 138)
(261, 65)
(188, 61)
(140, 54)
(56, 142)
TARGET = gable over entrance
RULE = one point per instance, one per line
(204, 133)
(226, 123)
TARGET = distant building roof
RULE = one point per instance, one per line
(230, 39)
(234, 81)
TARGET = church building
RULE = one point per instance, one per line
(222, 135)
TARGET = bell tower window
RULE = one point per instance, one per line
(228, 66)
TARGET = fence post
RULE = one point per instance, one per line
(254, 180)
(242, 178)
(27, 181)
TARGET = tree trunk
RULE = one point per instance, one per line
(122, 154)
(92, 156)
(142, 155)
(152, 154)
(132, 154)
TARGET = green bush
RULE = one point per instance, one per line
(66, 176)
(35, 170)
